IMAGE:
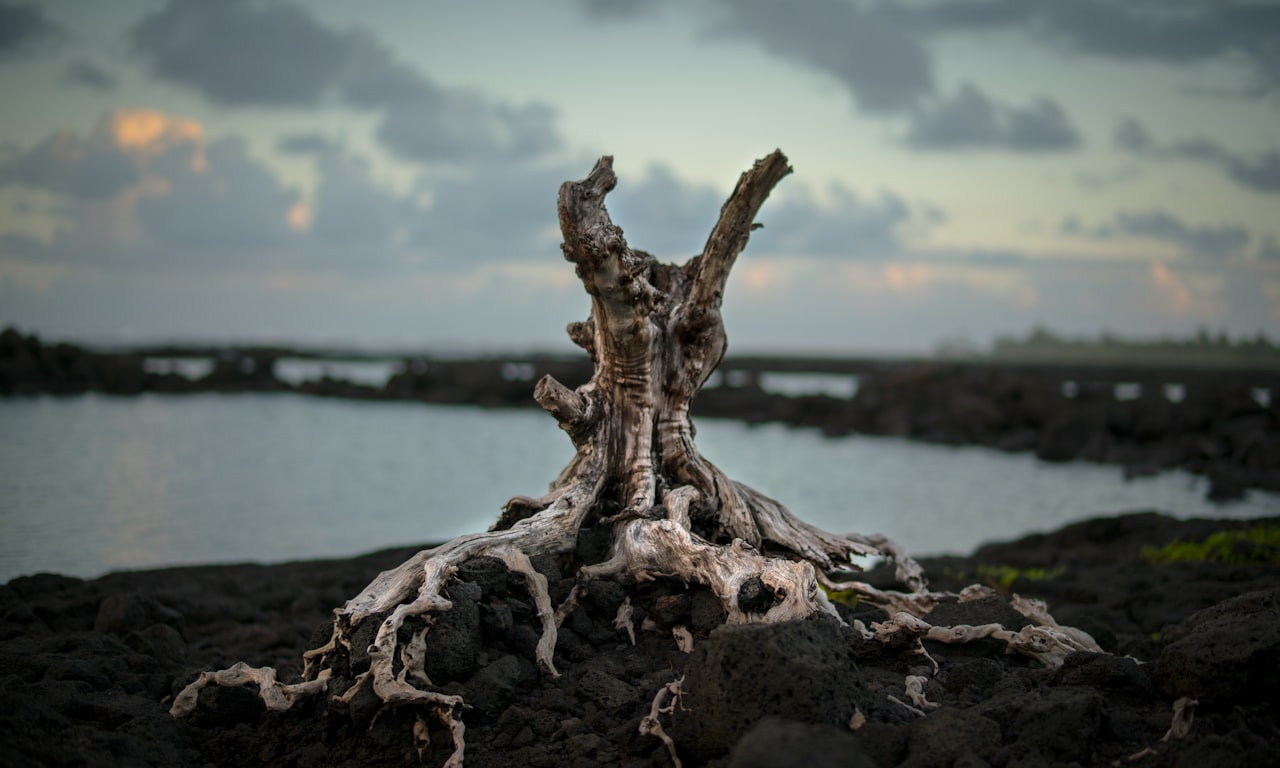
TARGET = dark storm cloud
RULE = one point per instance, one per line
(24, 27)
(85, 73)
(1269, 250)
(274, 54)
(1134, 136)
(971, 120)
(352, 217)
(65, 164)
(618, 9)
(671, 218)
(1261, 174)
(304, 144)
(665, 215)
(15, 245)
(844, 227)
(1218, 241)
(884, 68)
(497, 213)
(1174, 32)
(166, 200)
(242, 53)
(231, 208)
(879, 56)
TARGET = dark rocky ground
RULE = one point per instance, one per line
(86, 667)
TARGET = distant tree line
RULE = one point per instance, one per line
(1204, 348)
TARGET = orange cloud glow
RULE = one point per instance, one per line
(299, 217)
(903, 278)
(1172, 287)
(149, 133)
(1271, 289)
(759, 276)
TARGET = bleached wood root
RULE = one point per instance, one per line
(1047, 645)
(913, 710)
(623, 621)
(1184, 714)
(665, 702)
(914, 685)
(684, 638)
(277, 696)
(647, 549)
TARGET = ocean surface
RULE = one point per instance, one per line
(93, 483)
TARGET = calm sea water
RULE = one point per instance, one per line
(93, 483)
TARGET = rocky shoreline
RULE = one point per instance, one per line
(1221, 423)
(87, 666)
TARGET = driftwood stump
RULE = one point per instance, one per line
(655, 335)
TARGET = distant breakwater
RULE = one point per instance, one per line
(1217, 422)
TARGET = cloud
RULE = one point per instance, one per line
(146, 188)
(971, 120)
(495, 213)
(24, 27)
(245, 53)
(845, 226)
(882, 66)
(672, 218)
(66, 165)
(242, 53)
(666, 215)
(305, 144)
(1223, 240)
(1269, 249)
(232, 208)
(85, 73)
(618, 9)
(1172, 32)
(352, 217)
(878, 55)
(1261, 174)
(1133, 136)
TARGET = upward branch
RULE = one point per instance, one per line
(730, 234)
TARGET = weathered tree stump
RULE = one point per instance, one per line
(655, 335)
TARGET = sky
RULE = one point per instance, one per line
(384, 173)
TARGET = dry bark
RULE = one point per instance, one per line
(655, 335)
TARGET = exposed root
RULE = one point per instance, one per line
(1184, 713)
(1048, 645)
(623, 621)
(915, 692)
(903, 629)
(684, 638)
(665, 702)
(857, 719)
(645, 549)
(913, 710)
(1038, 612)
(277, 696)
(518, 562)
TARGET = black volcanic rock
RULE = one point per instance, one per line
(86, 668)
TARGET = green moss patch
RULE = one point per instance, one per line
(1259, 544)
(1006, 575)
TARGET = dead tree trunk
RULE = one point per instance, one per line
(655, 335)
